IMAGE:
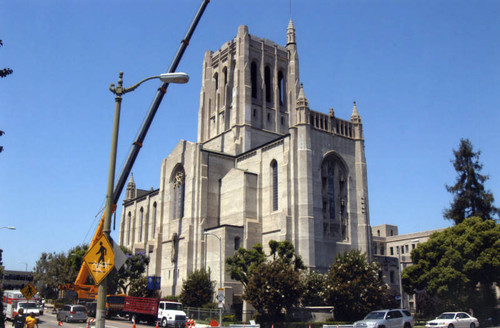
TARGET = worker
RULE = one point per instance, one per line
(19, 320)
(31, 321)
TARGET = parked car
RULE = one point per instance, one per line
(453, 320)
(70, 313)
(392, 318)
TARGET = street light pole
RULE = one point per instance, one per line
(25, 274)
(119, 90)
(401, 302)
(220, 270)
(10, 228)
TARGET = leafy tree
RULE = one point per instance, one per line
(133, 269)
(54, 269)
(389, 300)
(458, 265)
(273, 289)
(198, 289)
(4, 71)
(271, 286)
(353, 285)
(139, 288)
(470, 197)
(244, 262)
(314, 289)
(285, 251)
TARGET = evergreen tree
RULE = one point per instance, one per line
(198, 289)
(4, 71)
(470, 197)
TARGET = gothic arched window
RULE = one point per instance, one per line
(141, 223)
(154, 219)
(334, 195)
(274, 172)
(216, 78)
(281, 88)
(129, 227)
(253, 77)
(178, 183)
(267, 80)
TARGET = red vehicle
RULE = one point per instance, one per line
(146, 309)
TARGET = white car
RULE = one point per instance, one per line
(453, 320)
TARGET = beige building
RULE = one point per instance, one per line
(392, 251)
(265, 166)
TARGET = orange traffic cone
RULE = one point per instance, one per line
(133, 323)
(60, 323)
(156, 324)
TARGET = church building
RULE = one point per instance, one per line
(265, 167)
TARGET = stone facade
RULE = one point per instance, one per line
(265, 166)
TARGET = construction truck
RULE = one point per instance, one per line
(148, 309)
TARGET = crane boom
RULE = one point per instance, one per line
(79, 285)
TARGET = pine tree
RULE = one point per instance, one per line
(470, 197)
(4, 71)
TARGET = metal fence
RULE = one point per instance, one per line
(206, 315)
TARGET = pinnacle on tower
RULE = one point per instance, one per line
(130, 187)
(355, 117)
(290, 33)
(301, 98)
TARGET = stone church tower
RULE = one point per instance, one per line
(265, 167)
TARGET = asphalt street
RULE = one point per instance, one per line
(48, 320)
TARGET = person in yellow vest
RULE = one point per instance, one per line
(31, 321)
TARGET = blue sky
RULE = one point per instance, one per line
(424, 74)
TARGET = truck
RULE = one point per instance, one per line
(166, 313)
(14, 300)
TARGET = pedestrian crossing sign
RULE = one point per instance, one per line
(29, 291)
(100, 259)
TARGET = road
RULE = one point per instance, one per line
(48, 320)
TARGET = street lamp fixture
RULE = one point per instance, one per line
(206, 233)
(176, 77)
(10, 228)
(119, 90)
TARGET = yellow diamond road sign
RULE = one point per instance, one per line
(100, 259)
(29, 291)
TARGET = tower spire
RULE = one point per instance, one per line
(355, 117)
(290, 33)
(130, 187)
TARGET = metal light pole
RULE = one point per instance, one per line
(119, 90)
(25, 274)
(220, 270)
(401, 302)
